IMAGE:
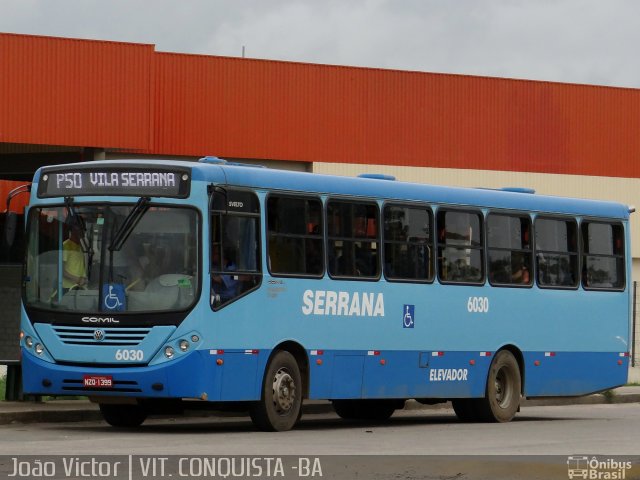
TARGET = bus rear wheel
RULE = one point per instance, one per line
(123, 416)
(466, 409)
(281, 403)
(504, 387)
(502, 393)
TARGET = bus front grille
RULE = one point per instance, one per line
(107, 337)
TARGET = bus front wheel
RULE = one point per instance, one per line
(281, 403)
(123, 416)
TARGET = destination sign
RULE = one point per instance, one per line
(152, 182)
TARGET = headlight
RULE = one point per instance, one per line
(39, 349)
(28, 341)
(184, 345)
(168, 352)
(195, 338)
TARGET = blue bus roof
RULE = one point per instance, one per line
(284, 180)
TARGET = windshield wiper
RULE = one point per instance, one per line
(86, 244)
(129, 223)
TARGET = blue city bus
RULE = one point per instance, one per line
(155, 286)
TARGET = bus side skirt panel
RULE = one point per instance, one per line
(238, 374)
(573, 373)
(398, 374)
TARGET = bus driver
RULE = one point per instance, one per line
(74, 269)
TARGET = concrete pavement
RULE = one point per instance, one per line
(82, 410)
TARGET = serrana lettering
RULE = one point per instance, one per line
(346, 304)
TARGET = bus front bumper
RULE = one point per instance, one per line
(191, 376)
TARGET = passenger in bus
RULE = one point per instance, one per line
(145, 262)
(159, 259)
(137, 275)
(313, 257)
(364, 226)
(224, 285)
(365, 260)
(356, 262)
(521, 275)
(566, 272)
(74, 268)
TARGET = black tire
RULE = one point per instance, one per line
(123, 416)
(281, 402)
(465, 409)
(503, 391)
(377, 410)
(345, 409)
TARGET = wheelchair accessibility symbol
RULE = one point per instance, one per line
(114, 298)
(408, 316)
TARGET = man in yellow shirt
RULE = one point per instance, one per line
(73, 269)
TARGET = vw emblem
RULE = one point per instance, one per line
(98, 335)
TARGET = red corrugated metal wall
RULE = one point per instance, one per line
(178, 104)
(74, 92)
(260, 109)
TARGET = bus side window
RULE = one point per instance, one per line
(509, 250)
(353, 239)
(556, 252)
(460, 246)
(603, 264)
(294, 236)
(407, 243)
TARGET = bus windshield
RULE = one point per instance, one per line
(72, 265)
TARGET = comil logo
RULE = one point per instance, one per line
(99, 320)
(597, 468)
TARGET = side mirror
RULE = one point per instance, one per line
(10, 224)
(11, 218)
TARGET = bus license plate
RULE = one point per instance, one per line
(97, 381)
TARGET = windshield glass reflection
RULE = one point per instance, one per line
(70, 266)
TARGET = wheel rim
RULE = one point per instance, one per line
(503, 387)
(284, 391)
